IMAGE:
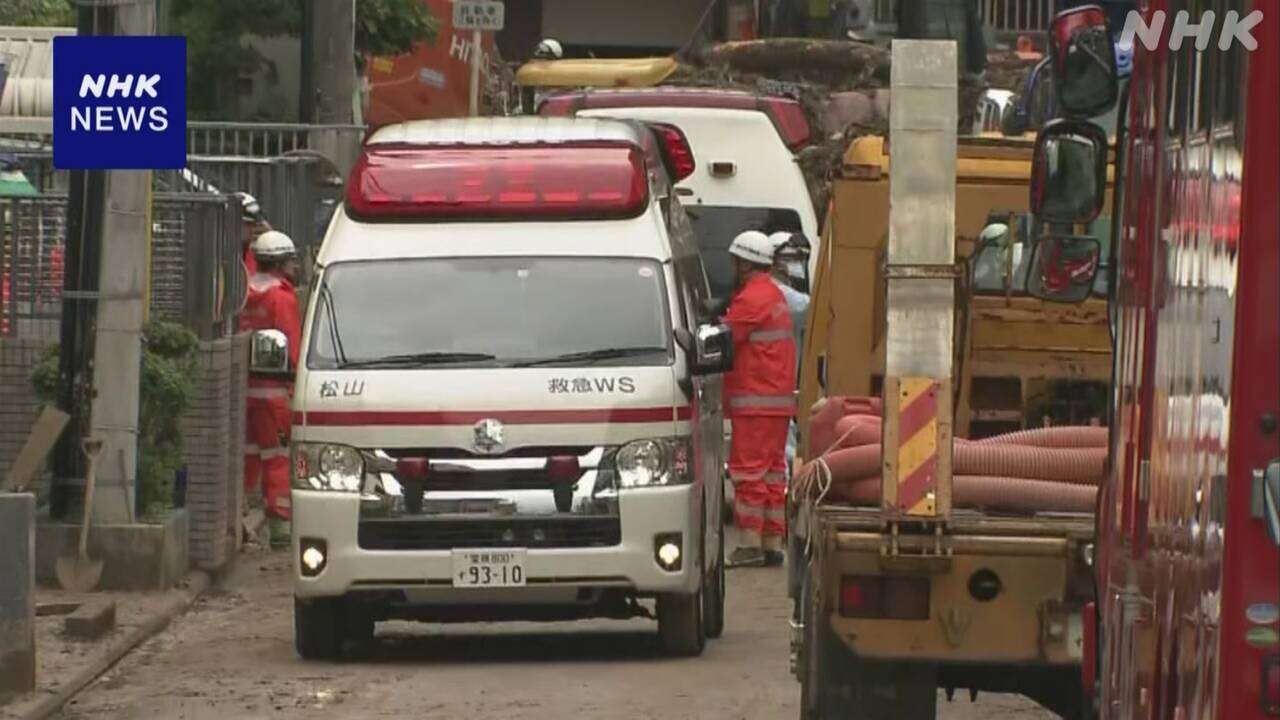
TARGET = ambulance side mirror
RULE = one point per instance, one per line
(713, 350)
(269, 352)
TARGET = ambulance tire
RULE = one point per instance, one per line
(318, 628)
(713, 595)
(680, 621)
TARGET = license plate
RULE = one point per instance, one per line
(489, 568)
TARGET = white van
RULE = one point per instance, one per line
(507, 405)
(745, 177)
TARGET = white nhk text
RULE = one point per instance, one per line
(1234, 29)
(129, 118)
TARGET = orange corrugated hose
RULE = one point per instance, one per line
(1046, 470)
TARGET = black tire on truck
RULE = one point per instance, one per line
(834, 685)
(318, 628)
(713, 594)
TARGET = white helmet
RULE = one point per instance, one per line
(250, 210)
(995, 232)
(549, 49)
(272, 245)
(753, 246)
(780, 238)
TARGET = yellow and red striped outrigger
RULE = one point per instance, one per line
(918, 445)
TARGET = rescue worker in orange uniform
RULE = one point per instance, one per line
(760, 401)
(272, 305)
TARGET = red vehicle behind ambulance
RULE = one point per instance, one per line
(1187, 616)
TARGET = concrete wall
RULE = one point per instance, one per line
(17, 594)
(134, 556)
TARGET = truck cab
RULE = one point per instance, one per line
(508, 399)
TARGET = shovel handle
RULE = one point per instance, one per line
(90, 479)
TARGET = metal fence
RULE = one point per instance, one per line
(1018, 16)
(340, 144)
(298, 193)
(196, 274)
(1001, 16)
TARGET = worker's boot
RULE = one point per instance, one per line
(773, 555)
(279, 532)
(746, 556)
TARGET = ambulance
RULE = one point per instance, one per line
(508, 400)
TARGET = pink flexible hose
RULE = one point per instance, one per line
(1077, 466)
(1055, 437)
(1007, 494)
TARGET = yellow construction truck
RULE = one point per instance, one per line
(910, 582)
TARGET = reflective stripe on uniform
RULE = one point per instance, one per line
(274, 453)
(775, 477)
(764, 336)
(265, 393)
(738, 477)
(251, 449)
(760, 401)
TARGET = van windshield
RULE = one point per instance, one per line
(717, 226)
(491, 312)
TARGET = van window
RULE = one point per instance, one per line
(491, 312)
(717, 226)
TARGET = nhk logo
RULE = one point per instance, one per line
(1234, 29)
(119, 102)
(106, 118)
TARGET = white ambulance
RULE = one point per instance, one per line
(507, 405)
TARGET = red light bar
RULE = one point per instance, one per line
(676, 150)
(786, 114)
(593, 180)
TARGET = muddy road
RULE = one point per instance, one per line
(232, 657)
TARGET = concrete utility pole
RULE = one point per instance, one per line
(122, 303)
(333, 52)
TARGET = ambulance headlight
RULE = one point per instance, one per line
(323, 466)
(661, 461)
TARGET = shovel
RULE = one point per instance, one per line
(79, 573)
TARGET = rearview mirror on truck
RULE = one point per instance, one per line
(1069, 172)
(1084, 62)
(1062, 269)
(269, 352)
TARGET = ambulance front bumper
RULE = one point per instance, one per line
(332, 520)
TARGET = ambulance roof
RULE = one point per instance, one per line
(644, 235)
(506, 131)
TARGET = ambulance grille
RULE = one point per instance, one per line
(563, 531)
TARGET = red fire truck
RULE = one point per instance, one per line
(1186, 624)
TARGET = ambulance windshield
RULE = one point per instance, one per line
(491, 312)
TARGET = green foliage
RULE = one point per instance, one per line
(37, 13)
(217, 56)
(168, 388)
(393, 27)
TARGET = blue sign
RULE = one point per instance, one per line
(119, 102)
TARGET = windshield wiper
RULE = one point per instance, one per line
(417, 359)
(589, 355)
